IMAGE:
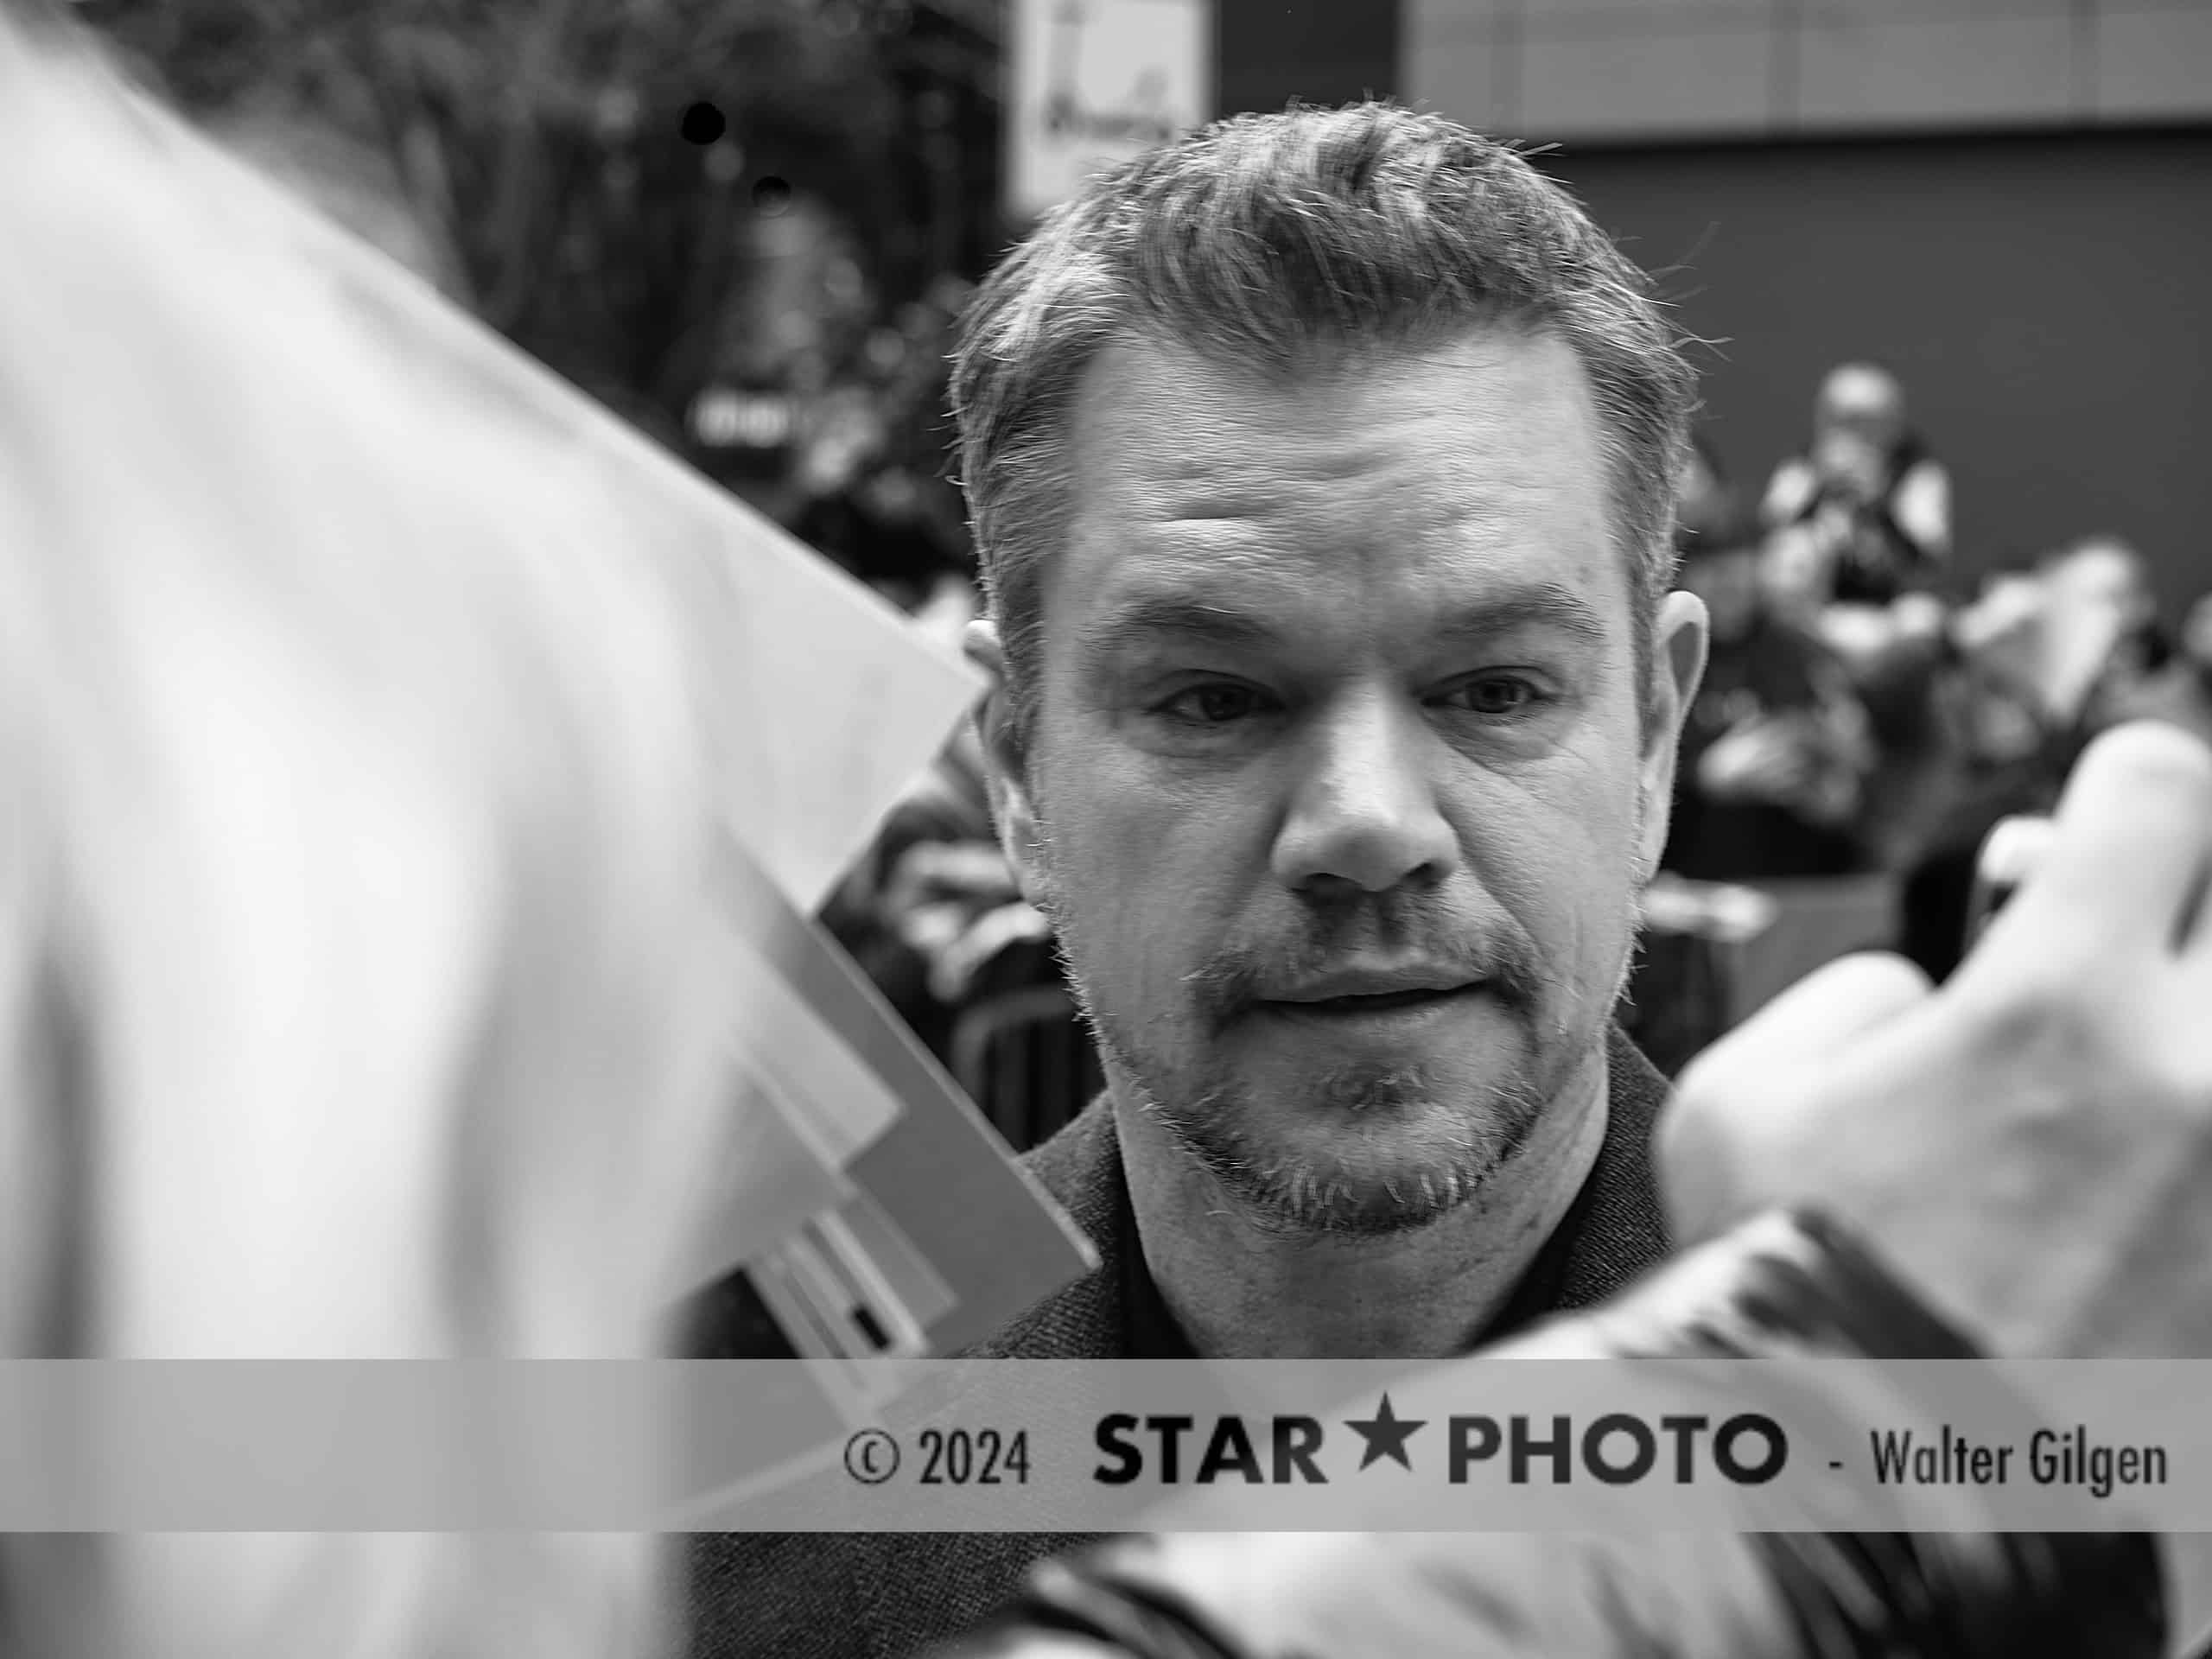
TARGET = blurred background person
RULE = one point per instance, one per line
(2180, 691)
(1776, 750)
(2109, 642)
(1867, 503)
(2045, 656)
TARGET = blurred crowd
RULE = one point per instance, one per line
(1867, 709)
(826, 408)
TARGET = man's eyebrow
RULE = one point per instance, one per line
(1173, 616)
(1545, 605)
(1187, 617)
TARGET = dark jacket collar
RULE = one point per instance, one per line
(1614, 1231)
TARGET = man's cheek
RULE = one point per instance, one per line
(1584, 919)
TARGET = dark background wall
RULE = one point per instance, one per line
(2048, 301)
(1268, 52)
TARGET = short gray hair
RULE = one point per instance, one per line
(1261, 237)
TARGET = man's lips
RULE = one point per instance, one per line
(1374, 978)
(1373, 1003)
(1369, 1001)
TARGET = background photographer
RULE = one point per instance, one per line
(1869, 506)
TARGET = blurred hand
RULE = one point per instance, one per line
(1795, 571)
(2031, 1146)
(1773, 761)
(969, 872)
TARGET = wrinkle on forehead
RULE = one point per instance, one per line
(1177, 421)
(1157, 365)
(1395, 487)
(1481, 452)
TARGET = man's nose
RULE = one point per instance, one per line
(1363, 808)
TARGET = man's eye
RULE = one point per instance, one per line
(1495, 694)
(1212, 705)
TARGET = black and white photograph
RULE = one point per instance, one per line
(1105, 829)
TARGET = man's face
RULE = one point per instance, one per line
(1338, 794)
(1862, 411)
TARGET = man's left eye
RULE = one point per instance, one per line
(1494, 693)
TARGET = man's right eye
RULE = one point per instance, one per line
(1215, 704)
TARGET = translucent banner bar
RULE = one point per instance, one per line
(1035, 1446)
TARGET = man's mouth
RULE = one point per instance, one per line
(1376, 1002)
(1370, 1005)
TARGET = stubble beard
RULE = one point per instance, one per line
(1219, 1123)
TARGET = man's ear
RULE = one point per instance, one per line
(1006, 766)
(1679, 636)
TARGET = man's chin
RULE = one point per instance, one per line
(1401, 1168)
(1364, 1149)
(1361, 1206)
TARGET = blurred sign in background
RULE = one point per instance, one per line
(1097, 81)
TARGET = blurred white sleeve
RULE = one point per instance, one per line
(1921, 507)
(1788, 492)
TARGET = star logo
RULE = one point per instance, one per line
(1386, 1435)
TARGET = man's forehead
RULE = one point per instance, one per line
(1134, 376)
(1451, 481)
(1488, 422)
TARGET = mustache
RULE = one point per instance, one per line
(1498, 950)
